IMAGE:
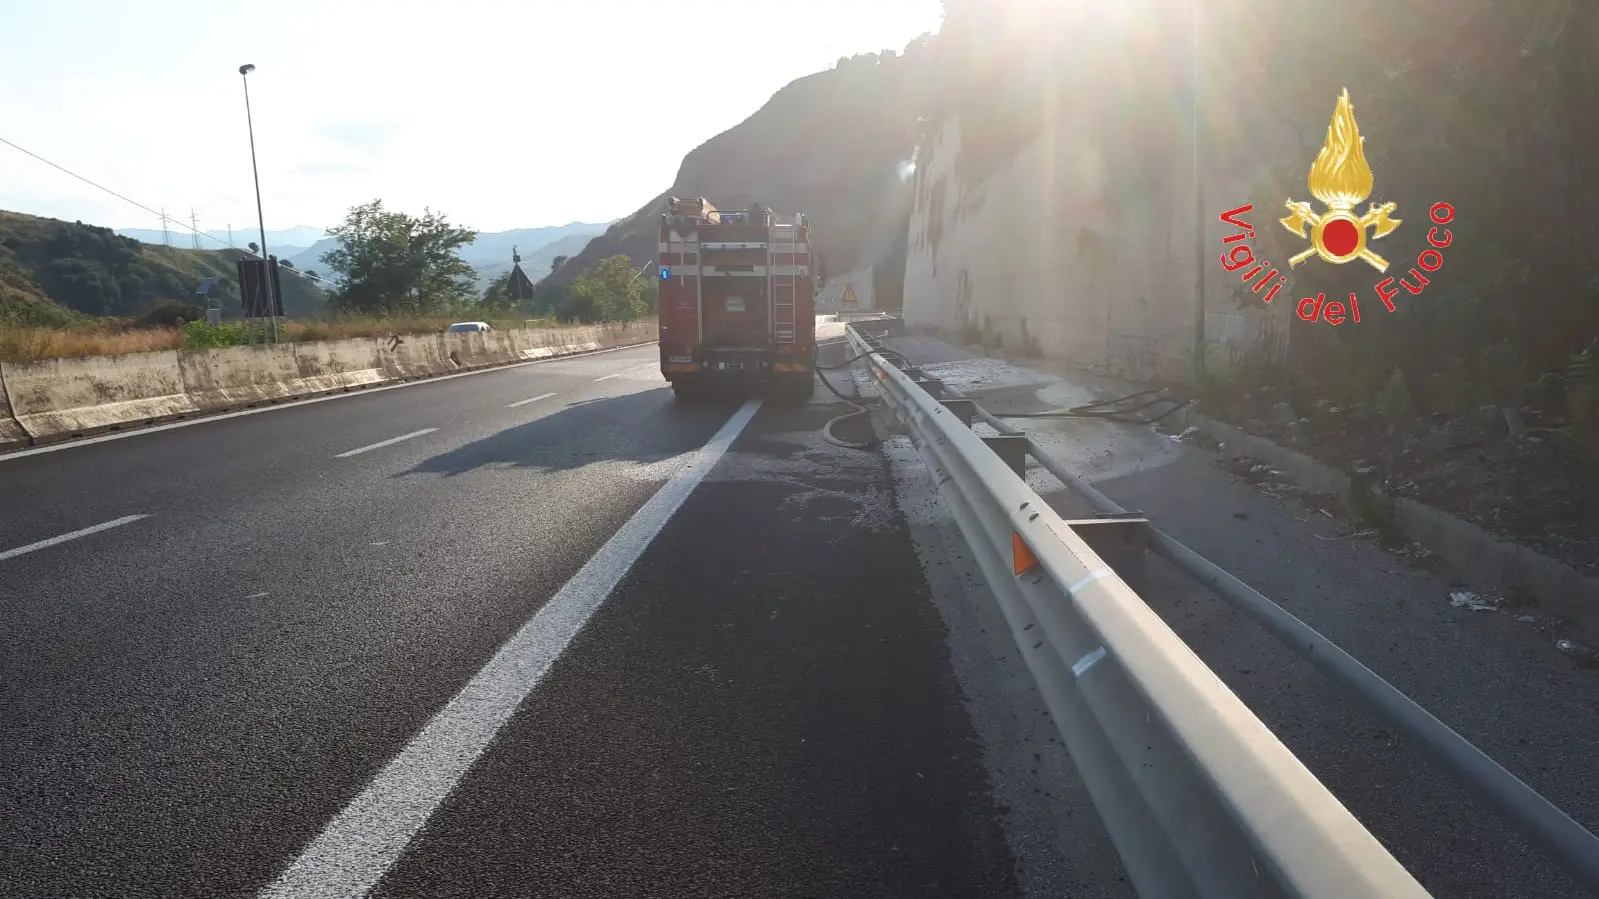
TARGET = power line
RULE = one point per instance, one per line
(161, 213)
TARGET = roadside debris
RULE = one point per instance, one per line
(1465, 599)
(1585, 656)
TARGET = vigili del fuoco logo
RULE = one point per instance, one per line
(1341, 179)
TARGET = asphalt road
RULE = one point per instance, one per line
(542, 631)
(534, 632)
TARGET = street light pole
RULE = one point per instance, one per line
(1199, 209)
(244, 75)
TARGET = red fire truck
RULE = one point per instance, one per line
(737, 295)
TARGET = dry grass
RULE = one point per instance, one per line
(346, 328)
(27, 344)
(24, 344)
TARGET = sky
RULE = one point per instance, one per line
(501, 115)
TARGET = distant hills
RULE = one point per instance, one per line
(295, 239)
(51, 270)
(489, 254)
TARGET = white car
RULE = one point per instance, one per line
(461, 327)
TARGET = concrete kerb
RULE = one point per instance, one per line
(1470, 552)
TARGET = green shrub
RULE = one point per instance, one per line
(202, 336)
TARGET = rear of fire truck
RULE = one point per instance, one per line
(737, 300)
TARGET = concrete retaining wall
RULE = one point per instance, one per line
(57, 399)
(1081, 246)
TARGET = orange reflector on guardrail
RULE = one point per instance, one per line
(1022, 558)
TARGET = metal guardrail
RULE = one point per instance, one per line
(1198, 796)
(1556, 834)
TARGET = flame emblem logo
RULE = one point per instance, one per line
(1340, 178)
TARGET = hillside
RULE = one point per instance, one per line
(834, 145)
(47, 265)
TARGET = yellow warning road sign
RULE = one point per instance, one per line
(849, 295)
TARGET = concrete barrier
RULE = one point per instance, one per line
(466, 349)
(480, 349)
(417, 356)
(11, 433)
(329, 365)
(238, 376)
(54, 399)
(502, 347)
(560, 341)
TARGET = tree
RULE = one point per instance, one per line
(285, 263)
(557, 262)
(254, 247)
(552, 301)
(611, 291)
(391, 262)
(497, 296)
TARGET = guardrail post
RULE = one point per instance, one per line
(1012, 450)
(965, 410)
(1120, 539)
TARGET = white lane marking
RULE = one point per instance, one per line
(222, 416)
(367, 837)
(258, 596)
(531, 399)
(55, 541)
(382, 443)
(610, 376)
